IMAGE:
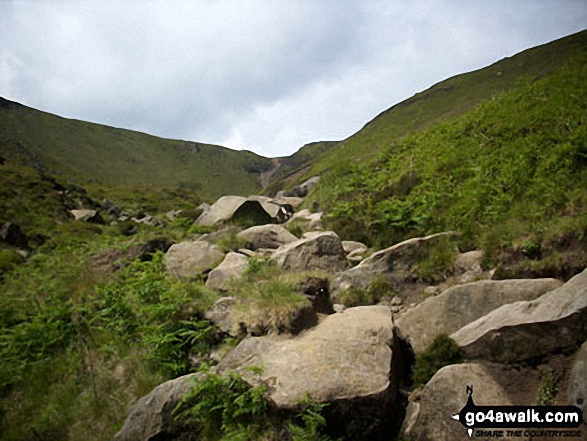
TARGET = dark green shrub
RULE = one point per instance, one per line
(226, 407)
(443, 351)
(200, 229)
(376, 290)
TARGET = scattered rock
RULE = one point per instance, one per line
(91, 216)
(577, 393)
(13, 235)
(468, 266)
(350, 246)
(303, 189)
(463, 304)
(396, 301)
(110, 208)
(352, 361)
(267, 236)
(524, 330)
(315, 251)
(221, 315)
(393, 264)
(151, 417)
(171, 215)
(289, 200)
(147, 220)
(338, 308)
(431, 291)
(231, 268)
(314, 219)
(428, 417)
(190, 259)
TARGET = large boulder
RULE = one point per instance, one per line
(232, 267)
(151, 417)
(267, 236)
(524, 330)
(393, 263)
(314, 251)
(235, 208)
(429, 417)
(577, 393)
(463, 304)
(187, 260)
(351, 360)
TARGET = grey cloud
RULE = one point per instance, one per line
(268, 76)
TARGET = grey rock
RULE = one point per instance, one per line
(171, 215)
(524, 330)
(151, 417)
(393, 263)
(221, 315)
(350, 246)
(314, 251)
(314, 219)
(91, 216)
(231, 268)
(577, 393)
(289, 200)
(234, 208)
(190, 259)
(350, 360)
(428, 417)
(460, 305)
(303, 189)
(267, 236)
(432, 290)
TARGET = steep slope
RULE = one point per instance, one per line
(116, 157)
(446, 99)
(509, 174)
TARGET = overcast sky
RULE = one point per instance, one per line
(263, 75)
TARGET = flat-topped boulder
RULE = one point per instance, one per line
(269, 236)
(231, 268)
(463, 304)
(351, 360)
(523, 330)
(187, 260)
(319, 250)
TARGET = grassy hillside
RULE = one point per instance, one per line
(444, 100)
(510, 175)
(108, 156)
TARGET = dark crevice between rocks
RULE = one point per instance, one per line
(376, 417)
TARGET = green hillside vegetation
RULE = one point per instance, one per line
(444, 100)
(89, 324)
(509, 175)
(108, 156)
